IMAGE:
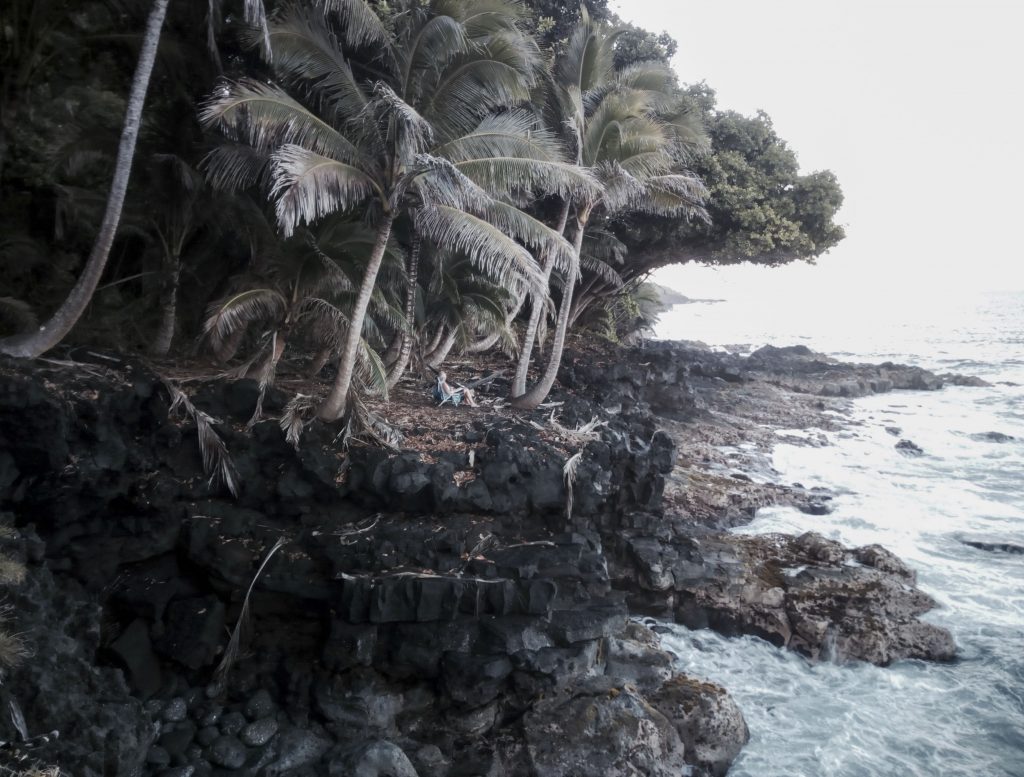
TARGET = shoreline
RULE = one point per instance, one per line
(454, 609)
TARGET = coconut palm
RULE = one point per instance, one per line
(622, 129)
(393, 117)
(66, 316)
(302, 290)
(461, 302)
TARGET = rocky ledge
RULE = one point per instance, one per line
(461, 609)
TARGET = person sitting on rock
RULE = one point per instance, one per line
(444, 393)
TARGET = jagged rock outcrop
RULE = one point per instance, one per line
(806, 593)
(430, 612)
(411, 620)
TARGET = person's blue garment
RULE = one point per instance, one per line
(440, 395)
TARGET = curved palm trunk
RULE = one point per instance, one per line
(435, 342)
(390, 356)
(436, 357)
(402, 362)
(519, 381)
(168, 312)
(56, 329)
(488, 342)
(532, 398)
(334, 406)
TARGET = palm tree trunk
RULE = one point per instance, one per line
(435, 342)
(519, 382)
(532, 398)
(436, 357)
(398, 368)
(390, 355)
(336, 403)
(168, 311)
(56, 329)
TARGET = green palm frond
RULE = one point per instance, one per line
(603, 270)
(502, 176)
(308, 186)
(360, 25)
(234, 167)
(266, 117)
(532, 232)
(487, 246)
(307, 52)
(647, 76)
(240, 311)
(371, 370)
(588, 59)
(512, 133)
(471, 89)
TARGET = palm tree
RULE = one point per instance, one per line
(395, 118)
(620, 128)
(53, 331)
(461, 302)
(303, 289)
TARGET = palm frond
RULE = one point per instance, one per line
(603, 270)
(216, 460)
(486, 245)
(511, 133)
(414, 133)
(266, 117)
(360, 24)
(234, 646)
(239, 311)
(300, 410)
(504, 176)
(234, 167)
(680, 194)
(308, 186)
(307, 52)
(371, 370)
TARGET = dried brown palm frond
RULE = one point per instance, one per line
(234, 647)
(569, 473)
(300, 409)
(584, 433)
(216, 459)
(363, 426)
(13, 649)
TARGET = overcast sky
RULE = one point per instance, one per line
(917, 107)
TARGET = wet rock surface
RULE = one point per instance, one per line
(429, 613)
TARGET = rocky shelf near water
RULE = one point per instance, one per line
(430, 612)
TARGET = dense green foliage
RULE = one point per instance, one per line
(763, 209)
(443, 120)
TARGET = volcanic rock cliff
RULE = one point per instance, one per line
(456, 609)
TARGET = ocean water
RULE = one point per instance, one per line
(912, 719)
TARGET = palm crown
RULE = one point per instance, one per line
(398, 115)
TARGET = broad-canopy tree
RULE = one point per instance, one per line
(763, 209)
